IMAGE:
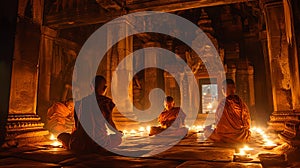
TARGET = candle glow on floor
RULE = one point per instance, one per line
(55, 143)
(268, 144)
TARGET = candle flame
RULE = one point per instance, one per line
(132, 132)
(56, 144)
(242, 152)
(141, 129)
(246, 148)
(52, 137)
(266, 137)
(148, 128)
(269, 143)
(209, 106)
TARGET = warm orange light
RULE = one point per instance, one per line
(132, 132)
(56, 144)
(52, 137)
(246, 148)
(148, 128)
(242, 152)
(142, 129)
(269, 143)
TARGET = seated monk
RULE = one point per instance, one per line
(60, 117)
(172, 118)
(80, 140)
(232, 118)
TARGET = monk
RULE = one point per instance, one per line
(232, 118)
(60, 117)
(97, 124)
(172, 118)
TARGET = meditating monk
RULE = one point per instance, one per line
(95, 124)
(232, 118)
(60, 117)
(173, 118)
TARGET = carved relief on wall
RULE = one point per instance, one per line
(23, 97)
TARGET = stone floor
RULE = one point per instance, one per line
(192, 151)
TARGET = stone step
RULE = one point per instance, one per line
(25, 128)
(22, 117)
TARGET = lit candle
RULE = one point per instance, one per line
(199, 128)
(266, 137)
(132, 132)
(142, 129)
(56, 144)
(246, 148)
(242, 152)
(125, 133)
(259, 130)
(193, 128)
(269, 144)
(52, 137)
(148, 128)
(241, 156)
(209, 106)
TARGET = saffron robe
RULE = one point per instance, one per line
(60, 119)
(95, 125)
(233, 121)
(174, 117)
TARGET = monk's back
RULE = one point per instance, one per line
(233, 120)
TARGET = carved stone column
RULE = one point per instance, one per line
(113, 57)
(278, 63)
(245, 84)
(231, 72)
(46, 52)
(291, 132)
(154, 77)
(171, 85)
(23, 124)
(291, 13)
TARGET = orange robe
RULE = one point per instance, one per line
(59, 118)
(233, 122)
(174, 117)
(81, 140)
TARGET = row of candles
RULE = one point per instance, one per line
(55, 142)
(140, 132)
(245, 152)
(146, 130)
(267, 142)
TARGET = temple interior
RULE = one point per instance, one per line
(256, 41)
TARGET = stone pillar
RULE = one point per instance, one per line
(114, 56)
(23, 124)
(171, 85)
(230, 71)
(45, 67)
(291, 132)
(8, 20)
(291, 10)
(119, 51)
(191, 95)
(280, 72)
(278, 56)
(153, 77)
(245, 84)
